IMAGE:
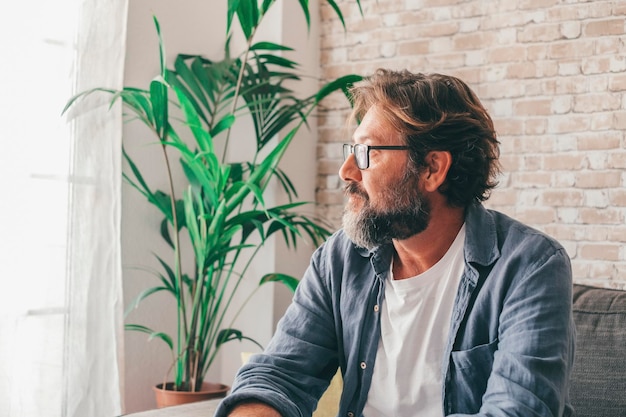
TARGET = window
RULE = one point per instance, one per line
(47, 338)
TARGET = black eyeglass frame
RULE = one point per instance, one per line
(349, 149)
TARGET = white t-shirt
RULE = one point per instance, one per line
(415, 320)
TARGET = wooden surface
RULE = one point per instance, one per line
(199, 409)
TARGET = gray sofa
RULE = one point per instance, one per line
(598, 384)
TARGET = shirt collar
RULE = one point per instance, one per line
(481, 240)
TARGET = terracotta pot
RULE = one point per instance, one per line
(167, 397)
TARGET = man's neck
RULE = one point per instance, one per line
(420, 252)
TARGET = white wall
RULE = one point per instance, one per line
(195, 26)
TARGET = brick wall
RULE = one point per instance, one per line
(552, 73)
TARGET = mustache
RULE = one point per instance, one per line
(354, 188)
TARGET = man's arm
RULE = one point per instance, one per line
(299, 361)
(254, 409)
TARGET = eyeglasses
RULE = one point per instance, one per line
(362, 153)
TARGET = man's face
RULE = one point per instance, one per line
(385, 201)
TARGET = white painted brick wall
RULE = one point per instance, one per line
(552, 74)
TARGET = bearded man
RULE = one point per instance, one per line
(428, 303)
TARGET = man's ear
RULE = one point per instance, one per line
(438, 164)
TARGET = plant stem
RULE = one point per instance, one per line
(177, 259)
(244, 62)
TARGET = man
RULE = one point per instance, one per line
(429, 304)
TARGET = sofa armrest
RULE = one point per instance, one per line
(598, 384)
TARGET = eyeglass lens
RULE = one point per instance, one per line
(360, 154)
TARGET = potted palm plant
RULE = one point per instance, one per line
(221, 211)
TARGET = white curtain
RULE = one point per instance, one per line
(61, 294)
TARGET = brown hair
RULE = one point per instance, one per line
(437, 112)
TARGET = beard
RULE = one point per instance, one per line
(405, 213)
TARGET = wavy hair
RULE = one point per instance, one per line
(436, 112)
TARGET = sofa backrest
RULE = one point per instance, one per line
(598, 384)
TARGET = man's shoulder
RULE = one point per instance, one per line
(516, 252)
(492, 234)
(512, 228)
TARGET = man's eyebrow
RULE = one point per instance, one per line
(362, 139)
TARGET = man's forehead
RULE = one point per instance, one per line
(375, 128)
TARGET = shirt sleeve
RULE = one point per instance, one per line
(301, 358)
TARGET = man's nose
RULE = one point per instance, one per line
(349, 171)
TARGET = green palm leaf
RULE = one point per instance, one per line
(223, 215)
(152, 334)
(289, 281)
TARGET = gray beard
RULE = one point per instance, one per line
(408, 214)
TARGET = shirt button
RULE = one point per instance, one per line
(376, 308)
(350, 414)
(363, 365)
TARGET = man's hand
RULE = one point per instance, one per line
(254, 410)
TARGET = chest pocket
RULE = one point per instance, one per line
(469, 372)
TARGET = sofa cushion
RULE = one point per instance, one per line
(598, 385)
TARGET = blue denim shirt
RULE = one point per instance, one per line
(511, 344)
